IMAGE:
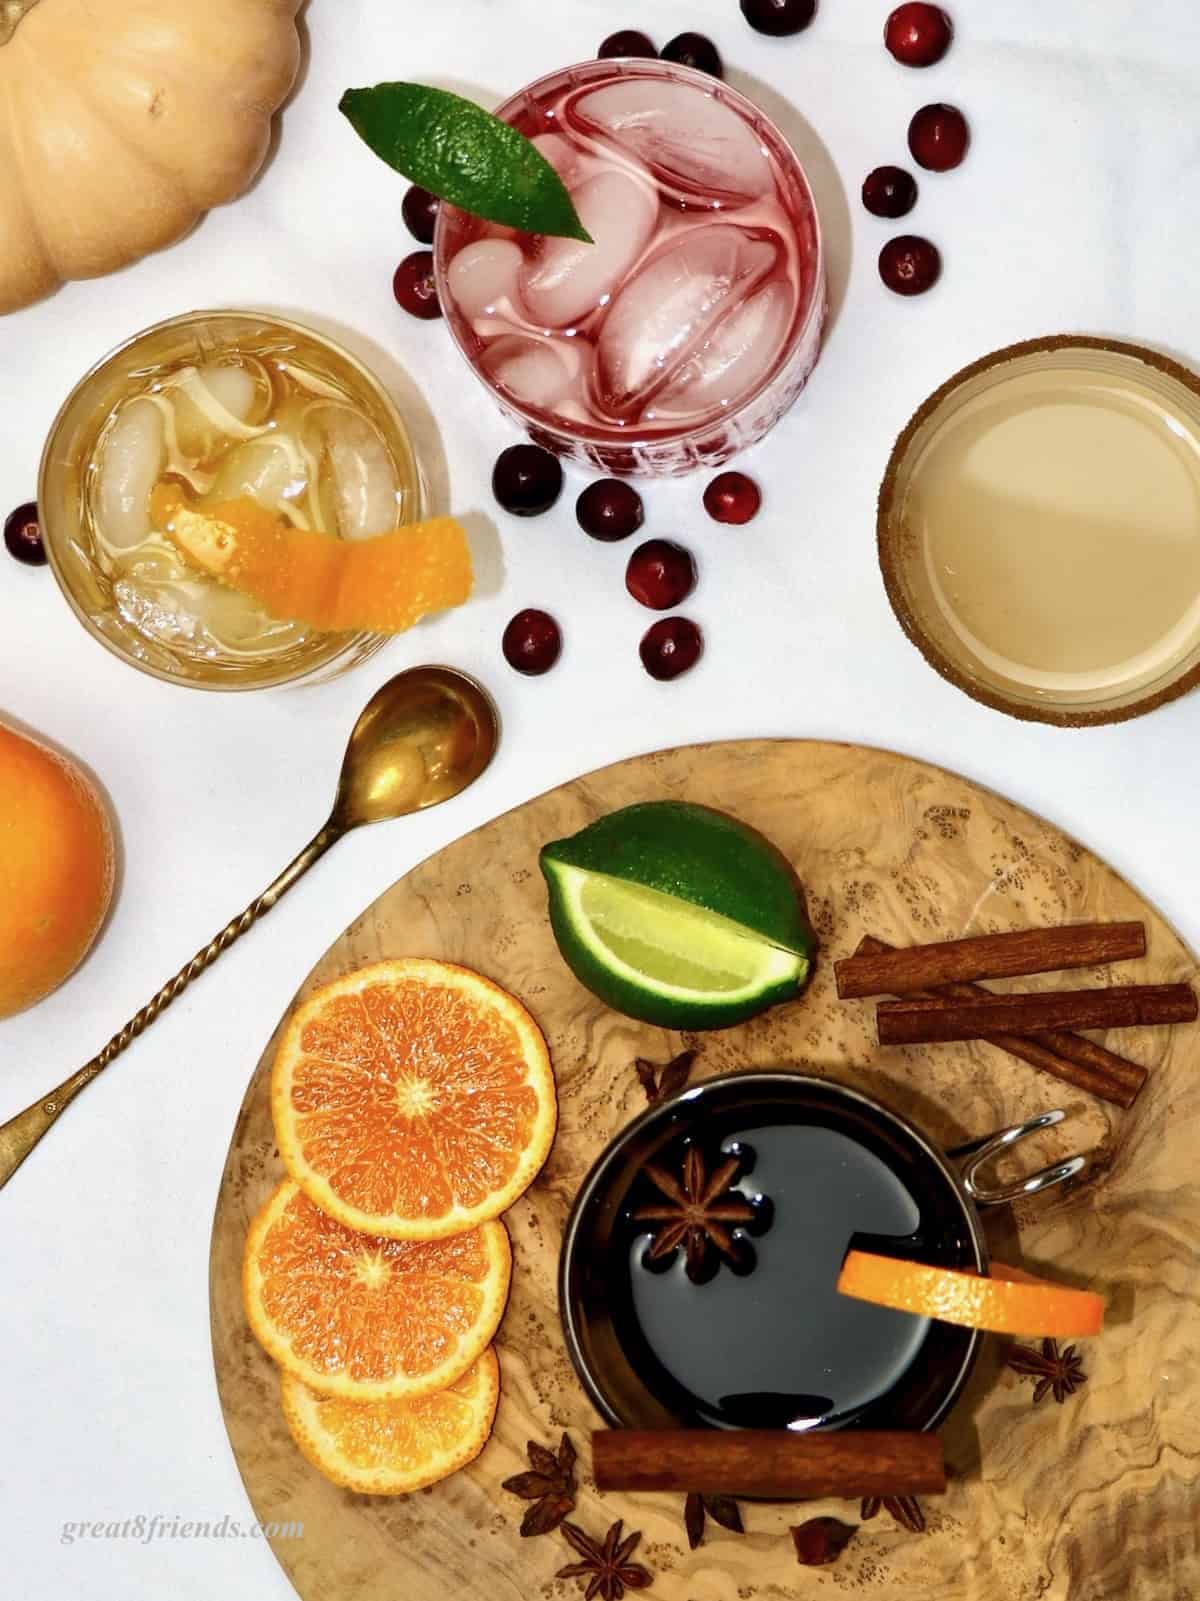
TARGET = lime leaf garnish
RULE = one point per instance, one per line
(465, 155)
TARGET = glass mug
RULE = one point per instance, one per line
(769, 1343)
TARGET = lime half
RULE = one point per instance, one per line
(679, 915)
(667, 955)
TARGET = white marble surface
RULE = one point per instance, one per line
(1075, 211)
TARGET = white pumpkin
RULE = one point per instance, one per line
(123, 121)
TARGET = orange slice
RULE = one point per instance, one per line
(383, 584)
(413, 1099)
(1008, 1301)
(368, 1318)
(394, 1447)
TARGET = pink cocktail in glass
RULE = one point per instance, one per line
(690, 325)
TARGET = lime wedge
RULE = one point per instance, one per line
(699, 855)
(463, 154)
(680, 915)
(662, 959)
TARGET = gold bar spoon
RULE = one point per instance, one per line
(422, 739)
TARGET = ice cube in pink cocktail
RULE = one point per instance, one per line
(689, 326)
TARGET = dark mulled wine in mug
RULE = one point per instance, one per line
(746, 1328)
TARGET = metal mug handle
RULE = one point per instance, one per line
(978, 1153)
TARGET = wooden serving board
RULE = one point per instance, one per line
(1095, 1500)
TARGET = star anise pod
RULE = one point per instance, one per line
(659, 1083)
(906, 1510)
(701, 1213)
(1057, 1372)
(723, 1509)
(821, 1541)
(606, 1566)
(550, 1485)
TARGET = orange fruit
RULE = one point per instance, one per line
(56, 869)
(413, 1099)
(383, 584)
(364, 1317)
(1007, 1301)
(394, 1447)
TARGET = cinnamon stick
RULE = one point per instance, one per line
(1069, 1057)
(1015, 955)
(946, 1017)
(769, 1462)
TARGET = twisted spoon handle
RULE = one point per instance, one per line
(20, 1134)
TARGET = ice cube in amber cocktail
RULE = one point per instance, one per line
(691, 323)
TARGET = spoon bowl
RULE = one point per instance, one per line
(422, 739)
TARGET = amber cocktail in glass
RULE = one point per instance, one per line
(221, 405)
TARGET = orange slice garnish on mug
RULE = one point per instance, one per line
(1005, 1301)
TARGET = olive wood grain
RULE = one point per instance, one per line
(1091, 1501)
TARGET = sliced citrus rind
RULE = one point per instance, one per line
(394, 1447)
(1006, 1301)
(413, 1099)
(384, 584)
(365, 1317)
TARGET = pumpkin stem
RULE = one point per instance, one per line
(11, 12)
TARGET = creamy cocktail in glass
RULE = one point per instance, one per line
(691, 323)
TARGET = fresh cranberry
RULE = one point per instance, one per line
(660, 574)
(23, 535)
(629, 42)
(610, 510)
(910, 265)
(527, 480)
(420, 212)
(938, 137)
(694, 50)
(779, 17)
(918, 34)
(532, 642)
(732, 498)
(889, 192)
(414, 287)
(670, 647)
